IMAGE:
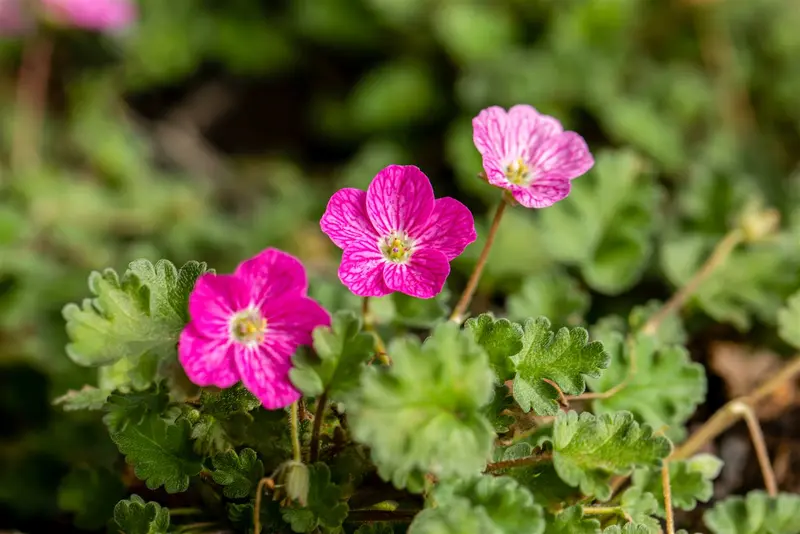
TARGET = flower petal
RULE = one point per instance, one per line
(291, 320)
(566, 155)
(527, 130)
(450, 229)
(489, 132)
(265, 373)
(400, 198)
(213, 301)
(544, 192)
(422, 277)
(272, 273)
(345, 219)
(361, 269)
(207, 361)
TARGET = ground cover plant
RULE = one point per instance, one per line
(570, 305)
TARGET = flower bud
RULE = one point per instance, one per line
(758, 223)
(295, 480)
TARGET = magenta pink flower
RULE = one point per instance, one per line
(529, 154)
(246, 326)
(396, 236)
(100, 15)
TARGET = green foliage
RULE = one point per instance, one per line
(690, 481)
(641, 506)
(125, 408)
(554, 295)
(564, 358)
(433, 394)
(572, 521)
(341, 352)
(605, 225)
(160, 452)
(757, 513)
(239, 473)
(789, 321)
(589, 449)
(134, 516)
(323, 507)
(90, 494)
(500, 338)
(87, 398)
(141, 312)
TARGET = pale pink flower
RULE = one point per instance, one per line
(396, 236)
(246, 326)
(99, 15)
(529, 154)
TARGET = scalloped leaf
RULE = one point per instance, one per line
(690, 481)
(500, 338)
(572, 521)
(323, 507)
(134, 516)
(757, 513)
(239, 474)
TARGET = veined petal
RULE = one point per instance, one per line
(544, 192)
(450, 229)
(345, 219)
(489, 132)
(422, 277)
(291, 320)
(271, 274)
(566, 155)
(361, 269)
(265, 373)
(400, 198)
(207, 361)
(527, 130)
(213, 302)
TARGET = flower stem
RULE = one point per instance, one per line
(606, 510)
(472, 284)
(534, 459)
(369, 326)
(665, 486)
(319, 415)
(759, 445)
(294, 426)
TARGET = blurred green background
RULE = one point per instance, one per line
(215, 128)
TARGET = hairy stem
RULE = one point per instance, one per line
(32, 82)
(759, 445)
(665, 486)
(542, 457)
(369, 326)
(472, 284)
(606, 510)
(720, 254)
(264, 482)
(319, 415)
(294, 426)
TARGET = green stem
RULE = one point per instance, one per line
(185, 511)
(319, 415)
(294, 425)
(369, 326)
(534, 459)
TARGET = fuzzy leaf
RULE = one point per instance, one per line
(564, 358)
(500, 338)
(341, 352)
(239, 473)
(419, 313)
(160, 452)
(494, 410)
(91, 495)
(789, 321)
(555, 295)
(757, 513)
(508, 505)
(434, 395)
(86, 398)
(324, 507)
(589, 449)
(141, 312)
(226, 402)
(606, 224)
(690, 481)
(641, 506)
(458, 517)
(631, 528)
(646, 394)
(134, 516)
(572, 521)
(133, 407)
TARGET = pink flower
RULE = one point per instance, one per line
(396, 236)
(529, 154)
(100, 15)
(246, 326)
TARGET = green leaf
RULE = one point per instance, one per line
(789, 321)
(375, 528)
(134, 406)
(671, 331)
(90, 494)
(226, 402)
(631, 528)
(341, 353)
(757, 513)
(134, 516)
(589, 449)
(239, 473)
(555, 295)
(690, 481)
(458, 517)
(508, 505)
(160, 452)
(87, 398)
(646, 394)
(209, 434)
(500, 338)
(572, 521)
(419, 313)
(606, 224)
(324, 507)
(141, 312)
(494, 411)
(564, 358)
(641, 506)
(434, 395)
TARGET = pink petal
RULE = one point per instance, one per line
(272, 273)
(291, 320)
(345, 219)
(265, 373)
(489, 132)
(400, 198)
(213, 301)
(527, 130)
(566, 155)
(450, 229)
(92, 14)
(361, 269)
(422, 277)
(207, 361)
(542, 193)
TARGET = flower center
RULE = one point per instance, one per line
(397, 247)
(248, 327)
(518, 173)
